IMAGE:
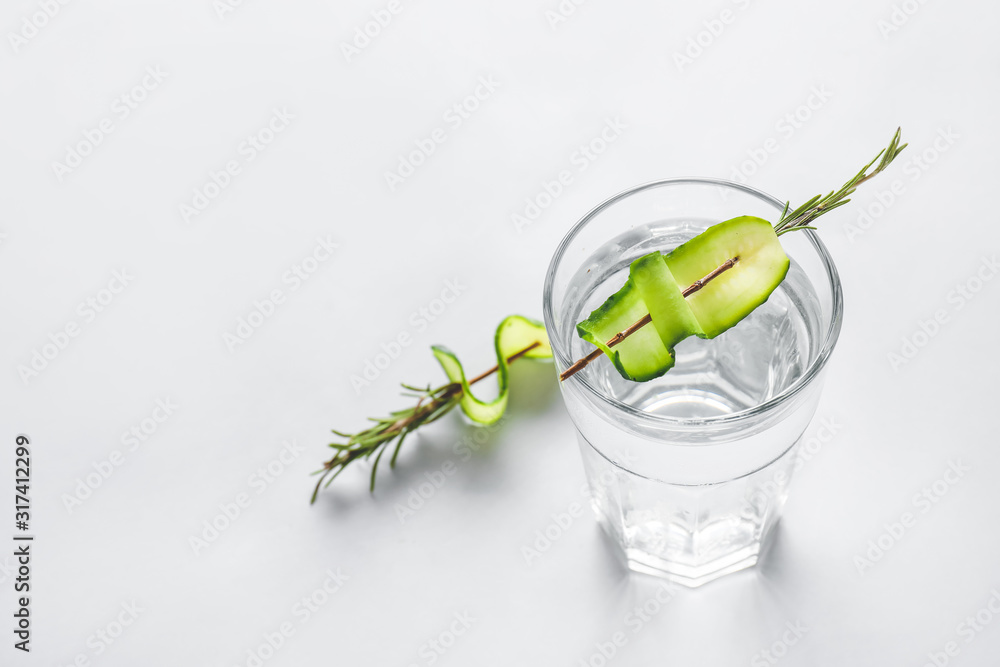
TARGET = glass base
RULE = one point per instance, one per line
(688, 534)
(692, 577)
(685, 574)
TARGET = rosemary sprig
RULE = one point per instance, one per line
(432, 404)
(801, 217)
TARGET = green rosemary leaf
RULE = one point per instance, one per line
(794, 229)
(802, 216)
(371, 486)
(399, 445)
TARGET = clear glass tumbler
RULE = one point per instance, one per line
(688, 472)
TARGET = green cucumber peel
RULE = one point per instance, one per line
(514, 334)
(730, 297)
(643, 356)
(669, 310)
(653, 290)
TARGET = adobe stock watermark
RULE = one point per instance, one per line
(967, 631)
(773, 654)
(957, 298)
(757, 502)
(418, 322)
(454, 117)
(564, 11)
(102, 639)
(922, 501)
(231, 510)
(914, 168)
(559, 523)
(436, 647)
(703, 40)
(545, 538)
(366, 33)
(32, 24)
(224, 8)
(633, 623)
(551, 189)
(301, 612)
(785, 127)
(120, 109)
(135, 437)
(248, 150)
(293, 279)
(43, 356)
(900, 15)
(462, 450)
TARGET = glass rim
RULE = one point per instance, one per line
(817, 365)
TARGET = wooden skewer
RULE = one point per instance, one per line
(511, 359)
(646, 319)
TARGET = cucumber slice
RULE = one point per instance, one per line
(513, 335)
(655, 286)
(640, 357)
(672, 316)
(733, 295)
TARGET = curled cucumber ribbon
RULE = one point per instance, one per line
(514, 335)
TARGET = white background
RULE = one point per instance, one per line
(558, 82)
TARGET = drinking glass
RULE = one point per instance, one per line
(688, 472)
